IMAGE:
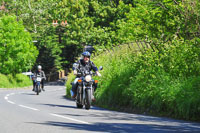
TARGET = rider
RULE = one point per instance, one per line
(84, 64)
(41, 74)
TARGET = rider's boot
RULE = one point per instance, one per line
(33, 88)
(93, 98)
(74, 96)
(74, 91)
(43, 89)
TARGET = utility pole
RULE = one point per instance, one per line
(16, 9)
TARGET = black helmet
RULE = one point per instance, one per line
(86, 53)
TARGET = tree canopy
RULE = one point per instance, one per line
(17, 52)
(102, 24)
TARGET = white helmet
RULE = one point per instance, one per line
(39, 67)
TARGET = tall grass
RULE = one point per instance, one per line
(164, 82)
(10, 81)
(70, 79)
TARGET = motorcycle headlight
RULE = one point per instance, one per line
(88, 78)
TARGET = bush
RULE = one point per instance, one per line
(70, 79)
(10, 81)
(163, 82)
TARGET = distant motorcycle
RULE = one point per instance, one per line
(86, 87)
(37, 88)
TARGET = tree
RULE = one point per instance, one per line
(17, 52)
(162, 20)
(90, 22)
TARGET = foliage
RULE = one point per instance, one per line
(157, 79)
(154, 83)
(161, 20)
(17, 53)
(163, 79)
(151, 82)
(10, 81)
(90, 22)
(102, 24)
(70, 79)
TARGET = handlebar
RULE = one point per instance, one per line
(84, 74)
(34, 77)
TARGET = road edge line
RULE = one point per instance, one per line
(60, 116)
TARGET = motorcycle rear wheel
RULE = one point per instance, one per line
(78, 105)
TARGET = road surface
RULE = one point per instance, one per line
(21, 111)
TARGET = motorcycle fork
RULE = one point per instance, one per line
(84, 91)
(84, 88)
(80, 94)
(38, 84)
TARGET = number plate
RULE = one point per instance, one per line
(39, 79)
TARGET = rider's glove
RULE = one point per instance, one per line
(75, 72)
(98, 74)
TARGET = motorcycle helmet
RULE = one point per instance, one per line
(39, 67)
(86, 53)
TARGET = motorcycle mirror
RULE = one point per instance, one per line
(75, 65)
(100, 68)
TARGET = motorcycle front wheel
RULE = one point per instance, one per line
(88, 100)
(37, 89)
(79, 100)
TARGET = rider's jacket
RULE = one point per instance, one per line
(40, 74)
(86, 66)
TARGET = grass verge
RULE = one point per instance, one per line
(10, 81)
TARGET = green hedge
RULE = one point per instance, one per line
(162, 82)
(10, 81)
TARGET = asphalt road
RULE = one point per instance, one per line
(21, 111)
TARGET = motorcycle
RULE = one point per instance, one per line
(86, 88)
(37, 81)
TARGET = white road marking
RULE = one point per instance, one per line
(60, 116)
(69, 118)
(28, 107)
(6, 98)
(10, 102)
(11, 94)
